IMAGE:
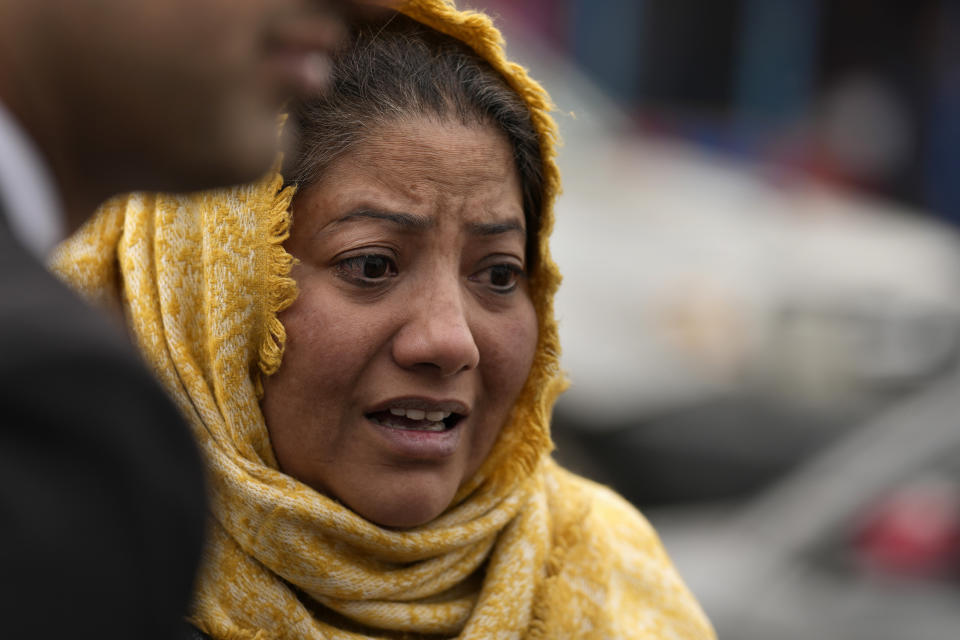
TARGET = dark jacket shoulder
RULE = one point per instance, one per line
(100, 483)
(192, 633)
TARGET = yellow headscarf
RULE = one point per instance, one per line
(526, 550)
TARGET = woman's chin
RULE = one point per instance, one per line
(401, 504)
(403, 519)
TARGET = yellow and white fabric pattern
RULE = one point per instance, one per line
(526, 550)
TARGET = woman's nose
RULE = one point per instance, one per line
(436, 333)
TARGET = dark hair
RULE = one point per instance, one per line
(397, 69)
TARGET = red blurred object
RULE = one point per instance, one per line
(914, 531)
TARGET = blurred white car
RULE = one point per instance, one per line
(690, 276)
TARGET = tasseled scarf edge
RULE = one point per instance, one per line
(281, 289)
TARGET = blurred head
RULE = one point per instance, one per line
(160, 94)
(419, 196)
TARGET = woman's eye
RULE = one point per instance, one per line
(367, 269)
(501, 278)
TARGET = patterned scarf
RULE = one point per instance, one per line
(525, 550)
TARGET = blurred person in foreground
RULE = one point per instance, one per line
(369, 365)
(101, 493)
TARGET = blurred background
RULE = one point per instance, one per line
(761, 306)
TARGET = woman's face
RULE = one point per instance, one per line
(414, 330)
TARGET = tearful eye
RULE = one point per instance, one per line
(367, 269)
(375, 266)
(501, 278)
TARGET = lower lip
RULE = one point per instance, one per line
(420, 445)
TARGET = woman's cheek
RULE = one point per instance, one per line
(512, 347)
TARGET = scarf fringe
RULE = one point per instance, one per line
(281, 287)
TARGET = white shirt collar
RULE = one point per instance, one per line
(30, 199)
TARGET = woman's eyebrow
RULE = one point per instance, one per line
(421, 223)
(496, 228)
(405, 220)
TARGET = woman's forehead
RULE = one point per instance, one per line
(421, 168)
(423, 141)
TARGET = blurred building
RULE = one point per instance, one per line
(857, 92)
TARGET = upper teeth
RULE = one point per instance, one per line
(420, 414)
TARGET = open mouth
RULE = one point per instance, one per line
(415, 419)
